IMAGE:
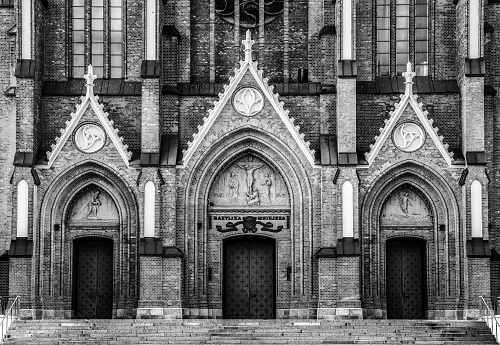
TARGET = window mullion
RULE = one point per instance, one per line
(106, 36)
(393, 38)
(88, 35)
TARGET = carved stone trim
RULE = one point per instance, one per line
(89, 137)
(247, 101)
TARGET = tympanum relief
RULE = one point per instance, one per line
(249, 182)
(93, 207)
(404, 207)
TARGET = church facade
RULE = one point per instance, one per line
(250, 159)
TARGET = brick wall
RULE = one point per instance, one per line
(8, 120)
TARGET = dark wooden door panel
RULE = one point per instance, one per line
(404, 280)
(261, 280)
(249, 280)
(94, 279)
(237, 281)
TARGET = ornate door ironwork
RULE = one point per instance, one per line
(405, 279)
(249, 276)
(94, 279)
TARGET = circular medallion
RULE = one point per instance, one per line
(89, 138)
(408, 136)
(248, 101)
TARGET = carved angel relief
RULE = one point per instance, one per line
(404, 207)
(93, 207)
(249, 182)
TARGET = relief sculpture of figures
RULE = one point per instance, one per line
(266, 190)
(253, 197)
(233, 184)
(250, 169)
(404, 201)
(93, 205)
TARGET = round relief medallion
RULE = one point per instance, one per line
(248, 101)
(408, 136)
(89, 138)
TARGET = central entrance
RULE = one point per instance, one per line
(249, 278)
(93, 283)
(405, 281)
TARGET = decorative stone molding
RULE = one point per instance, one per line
(408, 99)
(93, 101)
(248, 65)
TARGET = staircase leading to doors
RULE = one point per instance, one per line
(109, 332)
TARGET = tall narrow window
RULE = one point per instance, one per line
(103, 47)
(26, 29)
(402, 36)
(22, 209)
(474, 30)
(346, 30)
(476, 209)
(347, 210)
(149, 209)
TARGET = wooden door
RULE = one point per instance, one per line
(94, 279)
(405, 279)
(249, 276)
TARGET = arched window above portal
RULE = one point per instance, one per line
(406, 207)
(92, 207)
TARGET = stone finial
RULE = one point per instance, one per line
(90, 77)
(409, 74)
(248, 43)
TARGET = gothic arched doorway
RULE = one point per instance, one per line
(249, 278)
(93, 278)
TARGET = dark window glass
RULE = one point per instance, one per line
(105, 37)
(402, 36)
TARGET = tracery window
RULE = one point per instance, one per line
(97, 36)
(402, 36)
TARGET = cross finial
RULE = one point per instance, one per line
(90, 77)
(248, 43)
(409, 74)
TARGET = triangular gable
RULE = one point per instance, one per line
(93, 101)
(409, 99)
(248, 65)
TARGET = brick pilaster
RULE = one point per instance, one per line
(151, 126)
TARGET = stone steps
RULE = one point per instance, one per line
(148, 332)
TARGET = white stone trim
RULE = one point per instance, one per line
(408, 98)
(93, 101)
(267, 90)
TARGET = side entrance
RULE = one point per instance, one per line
(249, 278)
(93, 278)
(405, 279)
